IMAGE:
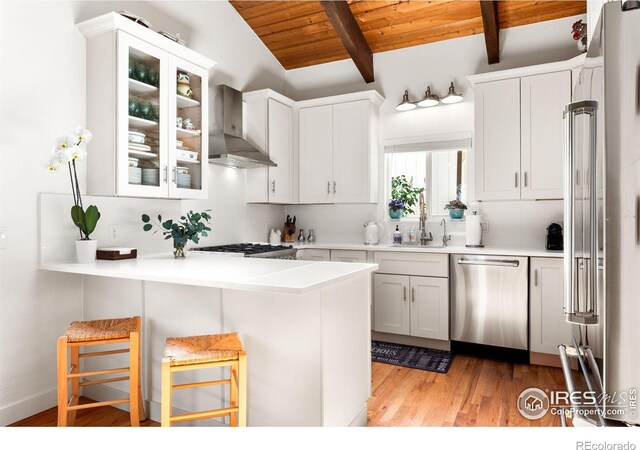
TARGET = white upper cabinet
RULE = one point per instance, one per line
(140, 87)
(497, 140)
(316, 154)
(269, 127)
(338, 142)
(351, 152)
(543, 100)
(519, 131)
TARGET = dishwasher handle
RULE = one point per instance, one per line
(490, 262)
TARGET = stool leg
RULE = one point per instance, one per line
(75, 383)
(165, 394)
(242, 389)
(141, 413)
(62, 382)
(233, 375)
(134, 378)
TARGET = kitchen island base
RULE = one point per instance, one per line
(308, 354)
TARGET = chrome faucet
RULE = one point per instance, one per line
(423, 224)
(445, 238)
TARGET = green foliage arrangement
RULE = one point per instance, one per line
(189, 228)
(402, 189)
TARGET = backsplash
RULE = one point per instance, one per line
(511, 224)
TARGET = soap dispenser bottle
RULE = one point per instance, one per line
(397, 236)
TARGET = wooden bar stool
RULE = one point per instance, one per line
(98, 332)
(205, 352)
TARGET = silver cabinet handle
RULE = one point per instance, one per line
(334, 187)
(328, 187)
(535, 277)
(573, 292)
(173, 174)
(413, 295)
(273, 186)
(404, 298)
(166, 173)
(490, 262)
(525, 179)
(516, 182)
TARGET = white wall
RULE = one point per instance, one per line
(42, 96)
(437, 64)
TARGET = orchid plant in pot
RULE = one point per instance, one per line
(68, 150)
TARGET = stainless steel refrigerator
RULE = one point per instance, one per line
(602, 225)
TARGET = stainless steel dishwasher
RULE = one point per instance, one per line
(489, 301)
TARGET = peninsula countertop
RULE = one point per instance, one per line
(222, 271)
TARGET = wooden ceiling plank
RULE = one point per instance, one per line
(349, 32)
(491, 26)
(291, 10)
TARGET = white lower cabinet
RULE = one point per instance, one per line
(357, 256)
(310, 254)
(390, 304)
(548, 328)
(411, 305)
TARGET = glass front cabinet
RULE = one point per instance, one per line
(147, 106)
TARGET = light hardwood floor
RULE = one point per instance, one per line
(475, 392)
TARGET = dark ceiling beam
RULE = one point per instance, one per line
(491, 26)
(349, 32)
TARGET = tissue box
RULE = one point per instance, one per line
(116, 253)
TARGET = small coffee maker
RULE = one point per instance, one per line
(554, 237)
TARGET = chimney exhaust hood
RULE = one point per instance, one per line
(226, 145)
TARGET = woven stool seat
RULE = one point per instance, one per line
(183, 351)
(97, 330)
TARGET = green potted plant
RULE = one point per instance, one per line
(456, 209)
(68, 150)
(190, 227)
(404, 192)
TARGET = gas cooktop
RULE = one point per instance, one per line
(253, 250)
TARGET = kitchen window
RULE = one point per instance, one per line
(439, 166)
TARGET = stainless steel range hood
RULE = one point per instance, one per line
(226, 145)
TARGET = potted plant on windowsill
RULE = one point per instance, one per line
(395, 209)
(70, 149)
(456, 209)
(190, 227)
(405, 195)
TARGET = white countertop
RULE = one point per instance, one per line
(222, 271)
(435, 248)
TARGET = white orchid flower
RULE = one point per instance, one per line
(80, 135)
(53, 164)
(78, 153)
(63, 143)
(62, 156)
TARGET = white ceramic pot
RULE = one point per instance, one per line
(86, 250)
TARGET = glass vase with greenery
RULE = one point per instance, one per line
(402, 189)
(190, 227)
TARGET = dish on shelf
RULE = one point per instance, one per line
(136, 137)
(133, 162)
(151, 176)
(186, 154)
(139, 147)
(181, 170)
(135, 175)
(142, 155)
(184, 181)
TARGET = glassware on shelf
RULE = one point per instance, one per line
(134, 106)
(312, 237)
(141, 72)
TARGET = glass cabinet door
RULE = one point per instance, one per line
(188, 145)
(141, 154)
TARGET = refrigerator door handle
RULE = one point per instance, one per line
(572, 304)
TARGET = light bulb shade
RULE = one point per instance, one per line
(452, 96)
(429, 99)
(406, 105)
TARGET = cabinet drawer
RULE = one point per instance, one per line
(359, 256)
(314, 255)
(421, 264)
